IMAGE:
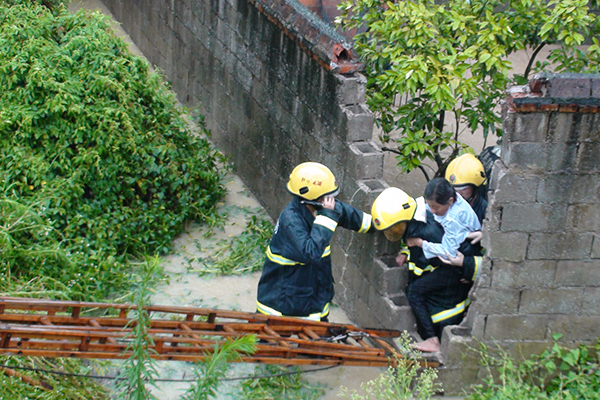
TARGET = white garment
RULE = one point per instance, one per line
(458, 222)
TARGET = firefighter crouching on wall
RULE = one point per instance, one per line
(466, 174)
(297, 280)
(437, 292)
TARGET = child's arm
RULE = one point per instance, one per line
(454, 235)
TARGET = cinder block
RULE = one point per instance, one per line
(386, 279)
(390, 315)
(551, 301)
(359, 123)
(561, 157)
(575, 328)
(526, 127)
(591, 131)
(364, 316)
(596, 247)
(366, 160)
(571, 246)
(584, 217)
(459, 348)
(526, 156)
(510, 187)
(507, 246)
(588, 157)
(591, 301)
(478, 324)
(533, 217)
(568, 188)
(516, 327)
(530, 274)
(351, 89)
(455, 379)
(559, 128)
(496, 301)
(569, 87)
(524, 350)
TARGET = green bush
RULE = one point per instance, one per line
(93, 145)
(557, 373)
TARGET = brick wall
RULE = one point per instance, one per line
(278, 87)
(542, 269)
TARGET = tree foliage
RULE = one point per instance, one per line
(450, 58)
(93, 144)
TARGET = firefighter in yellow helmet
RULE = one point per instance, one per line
(297, 280)
(437, 292)
(467, 175)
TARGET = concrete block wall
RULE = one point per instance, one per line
(278, 87)
(542, 266)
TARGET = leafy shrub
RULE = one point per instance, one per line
(93, 143)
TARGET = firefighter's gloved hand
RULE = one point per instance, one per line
(475, 236)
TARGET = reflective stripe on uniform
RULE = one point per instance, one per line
(418, 271)
(477, 267)
(451, 312)
(366, 223)
(277, 259)
(266, 310)
(326, 222)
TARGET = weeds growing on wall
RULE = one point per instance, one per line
(558, 373)
(93, 151)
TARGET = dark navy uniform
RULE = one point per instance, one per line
(479, 204)
(436, 294)
(297, 280)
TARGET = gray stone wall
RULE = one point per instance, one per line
(542, 233)
(279, 87)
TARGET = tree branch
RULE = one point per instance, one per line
(532, 59)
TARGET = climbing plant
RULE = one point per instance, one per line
(449, 59)
(94, 147)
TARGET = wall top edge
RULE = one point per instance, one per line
(567, 92)
(331, 49)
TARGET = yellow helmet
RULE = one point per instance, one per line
(392, 206)
(311, 180)
(465, 170)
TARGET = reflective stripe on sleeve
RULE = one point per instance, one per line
(451, 312)
(277, 259)
(366, 223)
(477, 267)
(326, 222)
(327, 252)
